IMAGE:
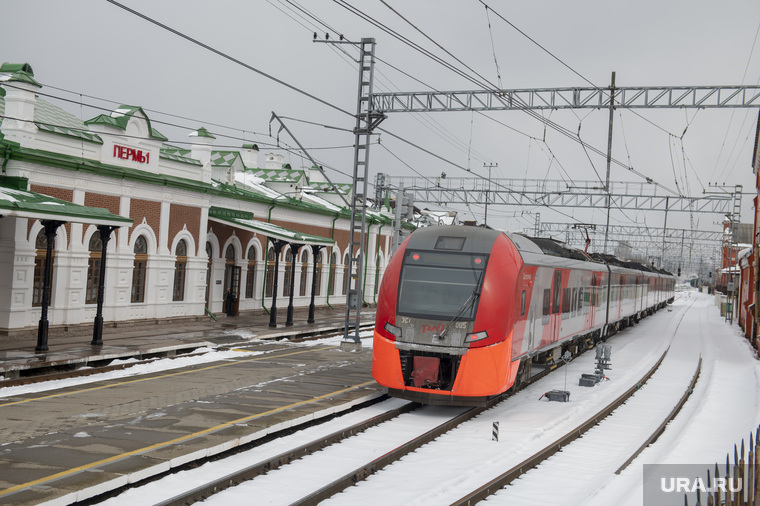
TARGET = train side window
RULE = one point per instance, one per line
(566, 301)
(557, 291)
(583, 299)
(547, 299)
(522, 303)
(575, 300)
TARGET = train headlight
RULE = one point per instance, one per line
(477, 336)
(392, 330)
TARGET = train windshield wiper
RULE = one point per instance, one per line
(466, 306)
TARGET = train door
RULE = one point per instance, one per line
(555, 319)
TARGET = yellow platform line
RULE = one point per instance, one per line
(156, 446)
(180, 373)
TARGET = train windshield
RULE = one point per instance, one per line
(440, 285)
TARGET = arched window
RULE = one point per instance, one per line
(377, 277)
(39, 267)
(304, 272)
(180, 264)
(288, 273)
(270, 272)
(139, 269)
(318, 274)
(346, 274)
(93, 269)
(333, 266)
(250, 278)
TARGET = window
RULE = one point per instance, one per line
(139, 270)
(288, 273)
(39, 268)
(440, 285)
(346, 274)
(557, 291)
(377, 277)
(304, 272)
(250, 278)
(270, 273)
(522, 303)
(547, 307)
(318, 274)
(180, 264)
(331, 285)
(566, 300)
(93, 269)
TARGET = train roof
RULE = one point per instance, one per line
(551, 247)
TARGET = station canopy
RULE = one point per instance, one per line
(245, 220)
(16, 201)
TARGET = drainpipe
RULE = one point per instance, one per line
(266, 250)
(329, 268)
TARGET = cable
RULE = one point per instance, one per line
(228, 57)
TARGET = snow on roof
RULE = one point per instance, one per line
(255, 184)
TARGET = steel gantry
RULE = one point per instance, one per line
(540, 192)
(645, 97)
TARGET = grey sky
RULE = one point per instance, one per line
(93, 48)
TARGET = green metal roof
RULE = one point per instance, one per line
(17, 201)
(343, 188)
(224, 158)
(202, 132)
(120, 117)
(53, 119)
(236, 219)
(278, 175)
(177, 154)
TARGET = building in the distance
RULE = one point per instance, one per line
(188, 230)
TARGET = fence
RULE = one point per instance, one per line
(738, 483)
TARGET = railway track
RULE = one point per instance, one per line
(384, 440)
(632, 421)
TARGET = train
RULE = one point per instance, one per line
(465, 313)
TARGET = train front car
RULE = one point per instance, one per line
(445, 314)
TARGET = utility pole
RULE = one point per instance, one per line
(609, 158)
(488, 166)
(366, 120)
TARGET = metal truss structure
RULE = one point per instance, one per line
(692, 250)
(648, 97)
(639, 234)
(549, 193)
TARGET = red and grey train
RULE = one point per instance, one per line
(465, 313)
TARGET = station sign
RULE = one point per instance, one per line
(127, 153)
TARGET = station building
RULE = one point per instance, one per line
(188, 231)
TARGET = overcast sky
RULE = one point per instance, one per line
(97, 53)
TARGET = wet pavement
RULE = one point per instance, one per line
(71, 349)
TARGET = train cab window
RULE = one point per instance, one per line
(436, 284)
(522, 303)
(575, 301)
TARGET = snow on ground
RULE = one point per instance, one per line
(201, 356)
(724, 408)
